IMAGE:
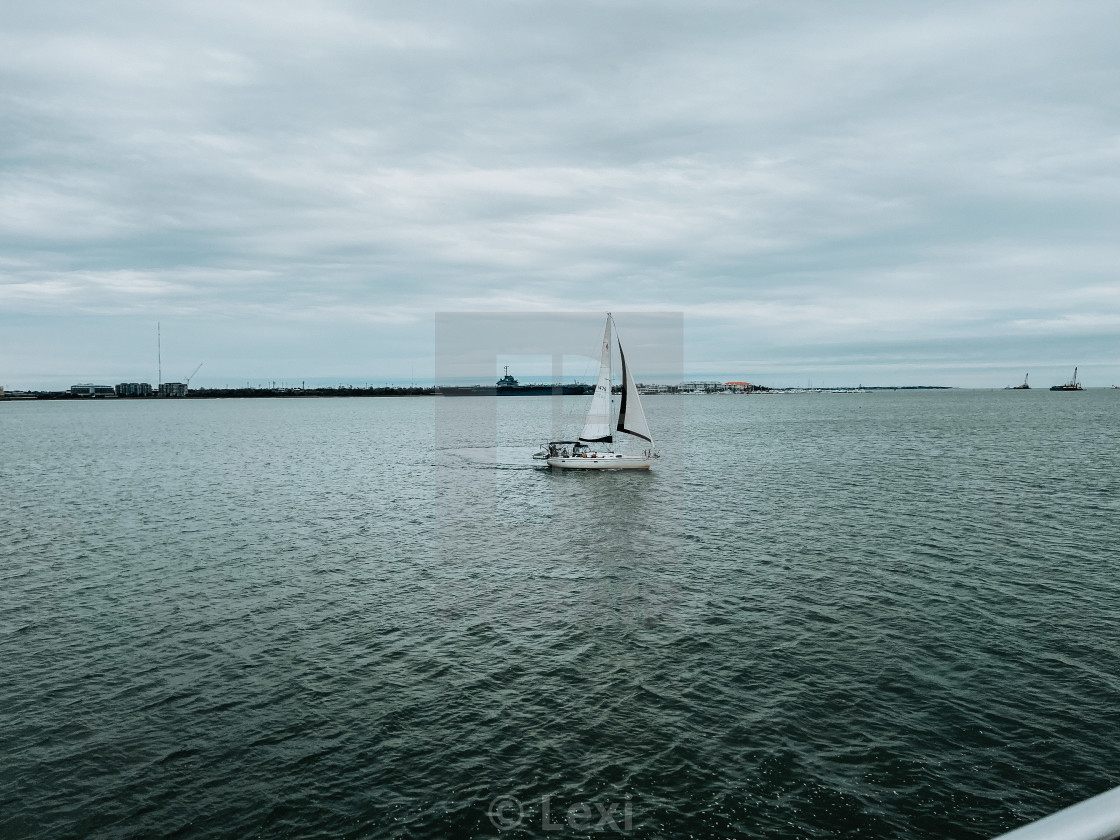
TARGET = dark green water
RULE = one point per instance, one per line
(889, 615)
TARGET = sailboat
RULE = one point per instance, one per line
(593, 450)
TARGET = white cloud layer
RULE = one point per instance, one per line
(294, 189)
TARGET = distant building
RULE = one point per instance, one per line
(701, 387)
(134, 389)
(1, 390)
(90, 390)
(173, 389)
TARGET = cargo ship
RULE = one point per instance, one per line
(507, 386)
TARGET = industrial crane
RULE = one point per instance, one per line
(189, 378)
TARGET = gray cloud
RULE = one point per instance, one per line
(294, 190)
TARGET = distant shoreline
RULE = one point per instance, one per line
(392, 391)
(235, 393)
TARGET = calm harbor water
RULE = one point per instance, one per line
(883, 615)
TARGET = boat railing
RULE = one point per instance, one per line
(1094, 819)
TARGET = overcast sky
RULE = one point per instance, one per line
(875, 192)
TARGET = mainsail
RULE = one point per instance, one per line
(597, 426)
(631, 418)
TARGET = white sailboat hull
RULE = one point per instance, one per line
(602, 461)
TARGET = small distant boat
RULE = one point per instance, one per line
(1072, 385)
(579, 454)
(1023, 387)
